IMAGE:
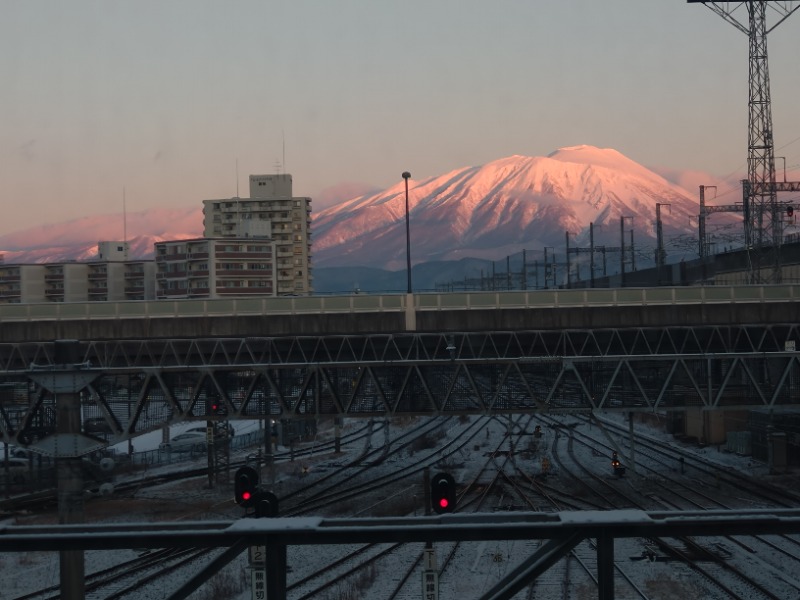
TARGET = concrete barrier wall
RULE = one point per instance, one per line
(364, 314)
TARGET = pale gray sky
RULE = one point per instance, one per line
(162, 98)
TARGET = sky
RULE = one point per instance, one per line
(170, 103)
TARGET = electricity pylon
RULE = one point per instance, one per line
(763, 224)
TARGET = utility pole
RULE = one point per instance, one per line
(661, 255)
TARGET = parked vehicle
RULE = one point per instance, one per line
(191, 441)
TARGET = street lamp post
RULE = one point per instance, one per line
(405, 176)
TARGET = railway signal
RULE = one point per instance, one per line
(443, 493)
(245, 486)
(790, 211)
(266, 504)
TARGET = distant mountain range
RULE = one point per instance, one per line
(77, 239)
(482, 213)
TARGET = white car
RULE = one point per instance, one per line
(191, 441)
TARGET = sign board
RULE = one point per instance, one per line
(430, 560)
(258, 555)
(430, 585)
(258, 583)
(789, 345)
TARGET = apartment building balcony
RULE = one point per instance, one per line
(10, 279)
(257, 273)
(54, 276)
(171, 275)
(197, 255)
(198, 292)
(240, 255)
(10, 295)
(171, 257)
(244, 291)
(135, 289)
(173, 293)
(197, 273)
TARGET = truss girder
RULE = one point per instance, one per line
(156, 397)
(146, 384)
(399, 347)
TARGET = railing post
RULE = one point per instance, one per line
(605, 566)
(276, 571)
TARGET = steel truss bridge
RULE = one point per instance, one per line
(140, 385)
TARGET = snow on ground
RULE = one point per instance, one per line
(485, 562)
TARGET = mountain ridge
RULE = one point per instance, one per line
(496, 209)
(484, 212)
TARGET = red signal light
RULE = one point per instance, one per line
(245, 486)
(443, 493)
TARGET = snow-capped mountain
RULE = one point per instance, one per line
(497, 209)
(77, 239)
(483, 212)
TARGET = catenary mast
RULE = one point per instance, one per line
(763, 225)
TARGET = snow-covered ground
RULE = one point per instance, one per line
(481, 564)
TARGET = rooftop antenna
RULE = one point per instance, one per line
(283, 137)
(237, 177)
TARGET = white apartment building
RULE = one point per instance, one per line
(107, 279)
(271, 213)
(250, 246)
(215, 268)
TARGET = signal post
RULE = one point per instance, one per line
(267, 563)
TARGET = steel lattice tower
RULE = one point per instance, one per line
(763, 226)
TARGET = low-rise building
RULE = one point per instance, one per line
(215, 268)
(108, 279)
